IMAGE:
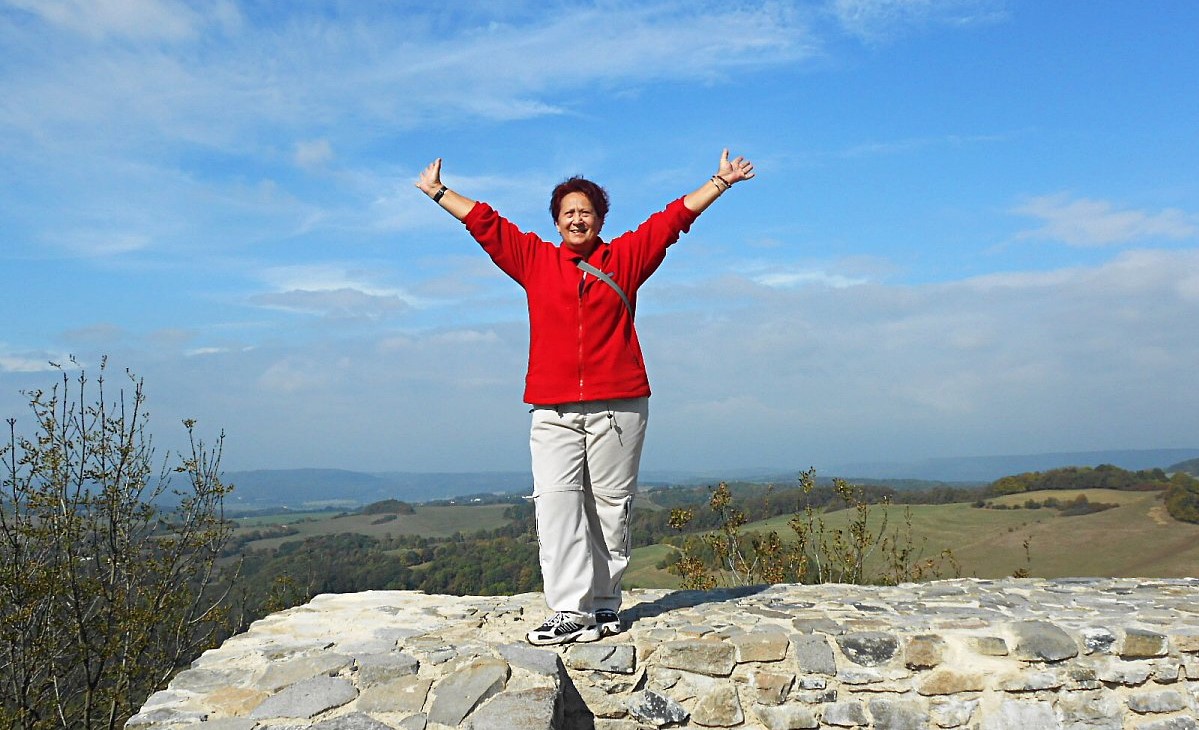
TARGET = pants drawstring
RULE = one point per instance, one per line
(615, 427)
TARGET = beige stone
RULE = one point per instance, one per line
(771, 688)
(950, 682)
(760, 646)
(924, 652)
(1143, 644)
(719, 708)
(235, 701)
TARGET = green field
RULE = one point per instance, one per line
(1136, 539)
(641, 572)
(430, 521)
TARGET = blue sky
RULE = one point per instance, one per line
(974, 229)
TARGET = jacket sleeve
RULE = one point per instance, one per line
(646, 246)
(509, 247)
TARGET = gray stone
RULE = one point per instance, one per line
(656, 709)
(353, 721)
(1030, 681)
(844, 714)
(787, 717)
(1041, 641)
(620, 658)
(530, 709)
(378, 668)
(718, 707)
(306, 699)
(952, 713)
(1089, 711)
(715, 658)
(229, 723)
(1173, 723)
(813, 655)
(817, 625)
(1165, 700)
(603, 723)
(1030, 715)
(204, 680)
(860, 676)
(461, 692)
(403, 694)
(1127, 673)
(538, 661)
(166, 716)
(868, 648)
(1097, 640)
(283, 673)
(416, 722)
(901, 715)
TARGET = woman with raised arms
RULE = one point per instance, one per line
(586, 379)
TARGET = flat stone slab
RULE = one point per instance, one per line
(306, 699)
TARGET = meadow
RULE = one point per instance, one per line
(1135, 539)
(426, 520)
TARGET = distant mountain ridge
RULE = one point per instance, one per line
(985, 469)
(347, 489)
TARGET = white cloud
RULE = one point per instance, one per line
(1087, 222)
(879, 20)
(14, 363)
(134, 19)
(313, 153)
(333, 303)
(803, 278)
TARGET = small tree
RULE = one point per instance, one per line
(109, 574)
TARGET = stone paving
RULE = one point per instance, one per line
(1015, 654)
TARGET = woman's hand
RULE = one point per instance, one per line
(735, 171)
(430, 178)
(727, 174)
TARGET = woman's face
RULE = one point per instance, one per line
(578, 223)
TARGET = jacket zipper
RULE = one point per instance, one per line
(582, 282)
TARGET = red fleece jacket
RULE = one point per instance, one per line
(582, 342)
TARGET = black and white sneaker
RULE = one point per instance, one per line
(561, 628)
(607, 623)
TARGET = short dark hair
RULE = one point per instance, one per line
(597, 195)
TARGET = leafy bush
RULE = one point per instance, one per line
(104, 590)
(1182, 498)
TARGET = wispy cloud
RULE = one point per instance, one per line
(124, 19)
(881, 20)
(333, 292)
(1086, 222)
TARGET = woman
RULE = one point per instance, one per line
(586, 380)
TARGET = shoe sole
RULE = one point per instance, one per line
(564, 639)
(597, 633)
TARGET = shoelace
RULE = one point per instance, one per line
(558, 619)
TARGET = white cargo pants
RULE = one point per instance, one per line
(585, 462)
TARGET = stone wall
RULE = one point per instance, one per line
(981, 655)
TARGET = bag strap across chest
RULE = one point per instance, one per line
(597, 273)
